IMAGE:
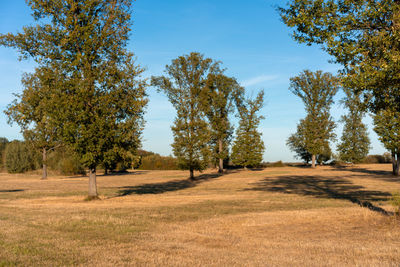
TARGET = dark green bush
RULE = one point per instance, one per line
(19, 158)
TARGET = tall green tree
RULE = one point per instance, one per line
(387, 126)
(219, 97)
(316, 90)
(105, 97)
(362, 35)
(297, 143)
(355, 143)
(184, 85)
(248, 147)
(35, 111)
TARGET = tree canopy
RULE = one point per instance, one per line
(316, 90)
(387, 126)
(363, 36)
(219, 96)
(248, 147)
(102, 92)
(36, 111)
(184, 84)
(355, 143)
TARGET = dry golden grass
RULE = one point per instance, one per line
(277, 216)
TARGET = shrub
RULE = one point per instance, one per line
(374, 159)
(388, 157)
(157, 162)
(3, 144)
(19, 158)
(65, 162)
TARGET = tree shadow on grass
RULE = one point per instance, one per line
(121, 173)
(376, 174)
(321, 187)
(159, 188)
(109, 175)
(12, 190)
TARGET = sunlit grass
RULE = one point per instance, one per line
(282, 216)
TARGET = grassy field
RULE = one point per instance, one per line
(277, 216)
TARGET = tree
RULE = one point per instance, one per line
(184, 85)
(109, 120)
(387, 126)
(35, 111)
(220, 93)
(363, 36)
(316, 90)
(297, 143)
(248, 147)
(355, 143)
(103, 95)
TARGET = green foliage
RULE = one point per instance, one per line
(355, 143)
(35, 110)
(375, 159)
(248, 147)
(218, 99)
(325, 154)
(19, 158)
(114, 160)
(363, 36)
(297, 143)
(387, 157)
(3, 144)
(387, 127)
(157, 162)
(101, 98)
(184, 84)
(316, 90)
(65, 161)
(219, 96)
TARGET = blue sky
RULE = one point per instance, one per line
(247, 36)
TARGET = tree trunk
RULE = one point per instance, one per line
(313, 161)
(44, 164)
(221, 160)
(92, 184)
(105, 171)
(396, 163)
(191, 174)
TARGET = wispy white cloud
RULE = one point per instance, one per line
(258, 80)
